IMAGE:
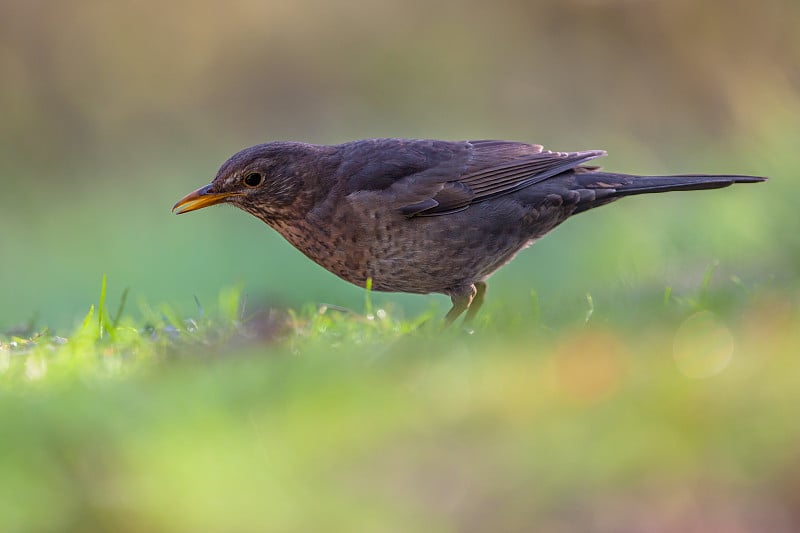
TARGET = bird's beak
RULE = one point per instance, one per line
(199, 199)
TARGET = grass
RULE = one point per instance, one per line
(664, 406)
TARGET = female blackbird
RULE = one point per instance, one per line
(422, 216)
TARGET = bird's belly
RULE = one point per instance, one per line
(436, 262)
(416, 255)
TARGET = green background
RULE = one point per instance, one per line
(111, 112)
(636, 370)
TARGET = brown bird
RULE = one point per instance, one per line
(422, 216)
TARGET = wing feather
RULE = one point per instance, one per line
(498, 168)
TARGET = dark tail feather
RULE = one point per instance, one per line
(599, 188)
(630, 185)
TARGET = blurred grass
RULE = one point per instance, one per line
(347, 422)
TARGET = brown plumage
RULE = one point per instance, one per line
(422, 216)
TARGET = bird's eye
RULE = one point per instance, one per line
(253, 179)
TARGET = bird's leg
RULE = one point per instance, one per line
(477, 302)
(461, 298)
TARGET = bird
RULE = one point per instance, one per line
(421, 215)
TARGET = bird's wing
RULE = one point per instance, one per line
(427, 178)
(496, 168)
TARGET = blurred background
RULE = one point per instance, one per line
(113, 111)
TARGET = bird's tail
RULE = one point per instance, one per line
(598, 188)
(631, 185)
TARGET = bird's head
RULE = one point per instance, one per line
(263, 180)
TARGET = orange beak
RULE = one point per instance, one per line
(199, 199)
